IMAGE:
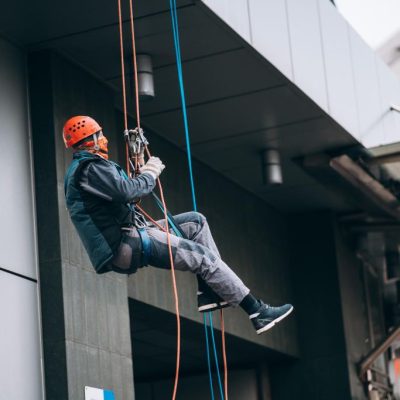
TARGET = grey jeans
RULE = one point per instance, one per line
(197, 254)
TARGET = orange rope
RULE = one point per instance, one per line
(134, 64)
(224, 355)
(175, 288)
(121, 44)
(171, 258)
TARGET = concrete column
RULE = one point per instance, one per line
(86, 326)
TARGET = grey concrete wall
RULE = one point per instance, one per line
(315, 48)
(252, 237)
(20, 347)
(355, 316)
(85, 316)
(322, 370)
(243, 385)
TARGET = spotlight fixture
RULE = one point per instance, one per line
(271, 167)
(145, 77)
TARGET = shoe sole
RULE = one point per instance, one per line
(213, 306)
(273, 323)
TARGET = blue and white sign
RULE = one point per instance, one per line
(98, 394)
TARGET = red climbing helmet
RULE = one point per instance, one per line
(78, 128)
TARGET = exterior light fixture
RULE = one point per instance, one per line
(271, 167)
(145, 77)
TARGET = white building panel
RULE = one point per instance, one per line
(311, 44)
(270, 33)
(389, 88)
(367, 91)
(234, 13)
(339, 68)
(20, 369)
(306, 47)
(16, 206)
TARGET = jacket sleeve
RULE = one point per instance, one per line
(103, 179)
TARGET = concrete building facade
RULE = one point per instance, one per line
(288, 76)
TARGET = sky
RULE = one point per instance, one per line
(375, 20)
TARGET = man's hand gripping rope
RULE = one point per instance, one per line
(137, 143)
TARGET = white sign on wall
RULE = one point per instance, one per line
(98, 394)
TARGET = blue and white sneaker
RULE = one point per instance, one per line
(267, 316)
(209, 301)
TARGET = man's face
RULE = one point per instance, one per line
(102, 143)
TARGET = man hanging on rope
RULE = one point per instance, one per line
(101, 202)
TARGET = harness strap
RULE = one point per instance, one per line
(146, 246)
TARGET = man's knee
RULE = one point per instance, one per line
(199, 217)
(191, 216)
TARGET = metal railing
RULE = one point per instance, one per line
(378, 350)
(377, 382)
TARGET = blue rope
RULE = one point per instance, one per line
(215, 355)
(175, 29)
(179, 234)
(208, 356)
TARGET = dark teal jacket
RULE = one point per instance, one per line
(98, 195)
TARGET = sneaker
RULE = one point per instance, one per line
(210, 302)
(266, 317)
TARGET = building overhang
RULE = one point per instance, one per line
(239, 104)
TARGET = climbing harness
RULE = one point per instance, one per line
(146, 247)
(175, 29)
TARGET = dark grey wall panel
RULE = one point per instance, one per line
(219, 76)
(235, 115)
(96, 306)
(322, 370)
(355, 317)
(85, 316)
(243, 385)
